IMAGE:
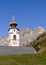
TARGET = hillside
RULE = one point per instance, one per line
(40, 43)
(26, 59)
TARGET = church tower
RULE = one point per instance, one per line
(13, 35)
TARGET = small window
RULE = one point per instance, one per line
(14, 37)
(14, 30)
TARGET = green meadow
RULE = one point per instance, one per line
(25, 59)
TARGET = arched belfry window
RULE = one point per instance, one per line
(14, 37)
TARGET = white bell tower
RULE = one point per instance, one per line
(13, 36)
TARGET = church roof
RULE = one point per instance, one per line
(13, 22)
(8, 50)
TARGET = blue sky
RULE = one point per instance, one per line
(28, 13)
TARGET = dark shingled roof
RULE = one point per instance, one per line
(8, 50)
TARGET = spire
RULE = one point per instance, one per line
(13, 17)
(13, 22)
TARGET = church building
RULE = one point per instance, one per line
(13, 35)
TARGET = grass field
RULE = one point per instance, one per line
(26, 59)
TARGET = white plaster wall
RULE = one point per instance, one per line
(11, 33)
(12, 44)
